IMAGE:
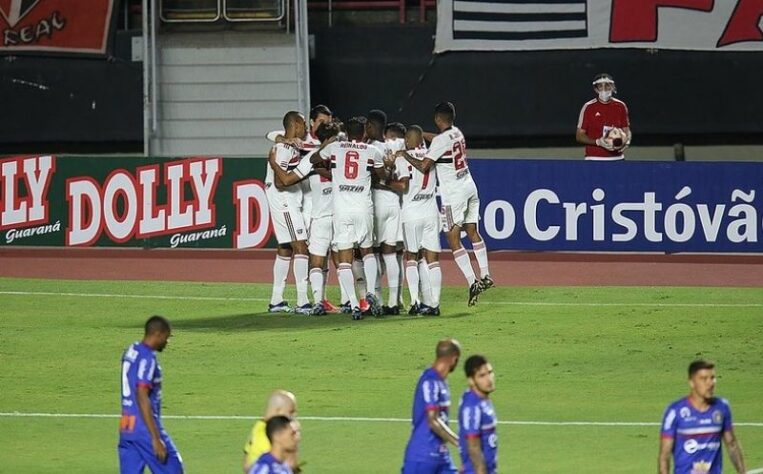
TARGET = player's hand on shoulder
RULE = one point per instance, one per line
(295, 142)
(160, 449)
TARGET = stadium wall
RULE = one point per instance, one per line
(509, 99)
(536, 205)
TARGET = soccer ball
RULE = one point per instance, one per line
(615, 137)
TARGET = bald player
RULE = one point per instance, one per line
(427, 450)
(280, 403)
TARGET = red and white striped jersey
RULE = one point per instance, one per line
(352, 163)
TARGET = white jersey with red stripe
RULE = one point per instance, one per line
(287, 158)
(321, 195)
(385, 197)
(448, 150)
(419, 202)
(352, 163)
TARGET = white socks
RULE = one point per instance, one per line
(300, 275)
(280, 272)
(412, 277)
(369, 269)
(464, 264)
(481, 253)
(435, 280)
(317, 281)
(344, 272)
(393, 277)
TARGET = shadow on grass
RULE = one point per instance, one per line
(266, 321)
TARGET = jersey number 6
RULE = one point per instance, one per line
(351, 164)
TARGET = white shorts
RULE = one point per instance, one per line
(460, 210)
(386, 225)
(422, 234)
(353, 229)
(288, 225)
(321, 236)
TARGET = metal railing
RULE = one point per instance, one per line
(210, 11)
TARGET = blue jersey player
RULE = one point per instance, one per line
(477, 438)
(142, 439)
(427, 450)
(693, 427)
(283, 434)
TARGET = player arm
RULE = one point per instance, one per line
(582, 137)
(439, 428)
(283, 178)
(278, 137)
(144, 404)
(428, 136)
(422, 165)
(400, 185)
(666, 451)
(735, 450)
(474, 447)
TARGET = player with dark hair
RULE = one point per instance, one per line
(353, 162)
(394, 130)
(460, 199)
(285, 202)
(477, 437)
(427, 450)
(601, 116)
(283, 434)
(142, 438)
(693, 427)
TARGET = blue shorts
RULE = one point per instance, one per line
(430, 467)
(135, 455)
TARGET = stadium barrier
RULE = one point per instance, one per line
(546, 205)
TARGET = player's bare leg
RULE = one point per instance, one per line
(480, 252)
(280, 272)
(464, 263)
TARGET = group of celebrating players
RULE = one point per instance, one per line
(363, 192)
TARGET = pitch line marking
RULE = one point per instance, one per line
(507, 303)
(17, 414)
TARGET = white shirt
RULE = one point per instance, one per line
(448, 150)
(321, 195)
(385, 197)
(287, 158)
(419, 202)
(351, 166)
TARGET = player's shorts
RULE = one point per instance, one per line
(386, 225)
(321, 236)
(429, 467)
(135, 455)
(353, 229)
(422, 234)
(288, 225)
(460, 210)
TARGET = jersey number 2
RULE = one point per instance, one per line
(351, 159)
(459, 162)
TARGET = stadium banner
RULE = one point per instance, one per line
(214, 202)
(506, 25)
(56, 26)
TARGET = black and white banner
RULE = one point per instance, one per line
(497, 25)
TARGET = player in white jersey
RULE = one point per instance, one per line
(320, 114)
(421, 224)
(352, 164)
(321, 225)
(459, 196)
(386, 211)
(285, 203)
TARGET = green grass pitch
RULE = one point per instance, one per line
(560, 355)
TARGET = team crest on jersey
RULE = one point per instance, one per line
(685, 412)
(717, 417)
(700, 467)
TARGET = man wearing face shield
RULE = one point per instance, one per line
(601, 116)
